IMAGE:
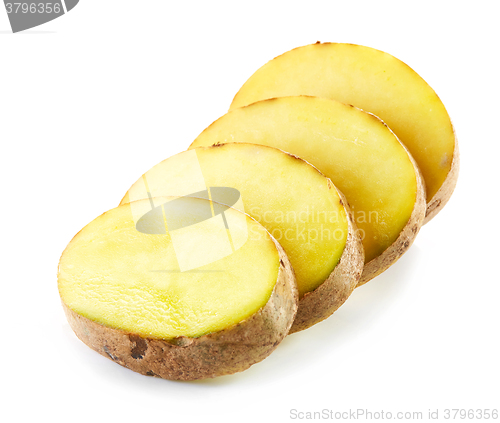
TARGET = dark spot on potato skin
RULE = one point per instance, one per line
(139, 349)
(406, 244)
(433, 206)
(111, 356)
(281, 263)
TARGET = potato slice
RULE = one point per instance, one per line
(356, 150)
(290, 198)
(375, 82)
(126, 296)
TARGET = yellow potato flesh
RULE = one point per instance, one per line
(119, 277)
(373, 81)
(291, 199)
(354, 149)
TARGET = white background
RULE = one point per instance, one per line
(92, 100)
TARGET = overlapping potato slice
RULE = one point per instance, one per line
(356, 150)
(375, 82)
(130, 294)
(297, 204)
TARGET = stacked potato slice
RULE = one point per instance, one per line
(377, 83)
(314, 183)
(356, 150)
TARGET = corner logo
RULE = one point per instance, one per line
(28, 14)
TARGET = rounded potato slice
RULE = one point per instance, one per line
(356, 150)
(375, 82)
(297, 204)
(129, 293)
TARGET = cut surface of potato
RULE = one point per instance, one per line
(375, 82)
(298, 205)
(356, 150)
(126, 296)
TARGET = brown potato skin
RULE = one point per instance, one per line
(446, 190)
(220, 353)
(406, 237)
(321, 303)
